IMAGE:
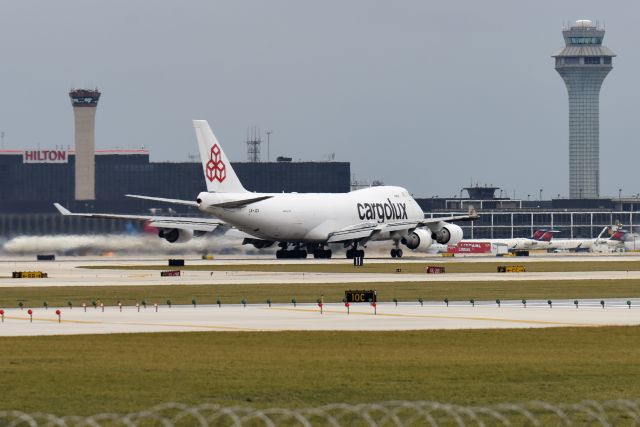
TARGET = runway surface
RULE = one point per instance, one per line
(65, 272)
(286, 317)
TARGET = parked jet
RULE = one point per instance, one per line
(302, 223)
(609, 236)
(539, 240)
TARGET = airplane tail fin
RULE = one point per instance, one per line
(618, 236)
(538, 234)
(547, 236)
(219, 175)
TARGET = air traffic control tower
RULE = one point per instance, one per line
(85, 102)
(583, 64)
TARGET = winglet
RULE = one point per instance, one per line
(472, 213)
(62, 209)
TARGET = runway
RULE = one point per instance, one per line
(66, 273)
(307, 317)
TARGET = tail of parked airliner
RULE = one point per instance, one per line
(538, 234)
(547, 235)
(219, 175)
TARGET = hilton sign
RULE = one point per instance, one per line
(45, 156)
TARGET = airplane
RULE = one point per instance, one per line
(616, 239)
(299, 223)
(539, 240)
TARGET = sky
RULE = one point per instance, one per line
(429, 95)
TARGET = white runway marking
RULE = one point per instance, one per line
(67, 273)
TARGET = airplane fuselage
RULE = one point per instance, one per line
(311, 217)
(513, 243)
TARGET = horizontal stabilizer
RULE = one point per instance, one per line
(161, 199)
(240, 203)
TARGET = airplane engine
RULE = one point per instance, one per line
(419, 240)
(175, 235)
(446, 234)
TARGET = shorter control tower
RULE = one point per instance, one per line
(84, 102)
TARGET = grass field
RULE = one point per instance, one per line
(90, 374)
(392, 267)
(403, 291)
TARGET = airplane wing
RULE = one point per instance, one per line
(471, 216)
(366, 230)
(186, 223)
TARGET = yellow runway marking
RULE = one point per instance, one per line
(435, 316)
(94, 322)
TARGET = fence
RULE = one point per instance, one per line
(392, 413)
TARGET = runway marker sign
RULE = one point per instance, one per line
(360, 296)
(171, 273)
(511, 269)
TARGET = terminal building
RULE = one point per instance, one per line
(502, 217)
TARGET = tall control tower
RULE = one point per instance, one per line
(84, 103)
(583, 64)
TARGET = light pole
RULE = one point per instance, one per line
(269, 132)
(620, 194)
(541, 194)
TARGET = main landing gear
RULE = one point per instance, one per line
(297, 252)
(396, 252)
(322, 253)
(355, 252)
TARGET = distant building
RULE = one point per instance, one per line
(583, 65)
(32, 180)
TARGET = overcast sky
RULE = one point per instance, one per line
(427, 95)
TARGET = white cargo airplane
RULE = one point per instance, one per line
(300, 222)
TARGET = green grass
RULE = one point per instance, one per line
(89, 374)
(403, 291)
(391, 267)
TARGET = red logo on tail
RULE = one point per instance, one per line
(216, 170)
